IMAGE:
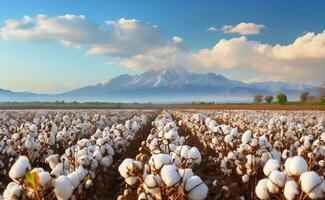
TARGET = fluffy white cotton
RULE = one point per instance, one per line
(195, 188)
(246, 137)
(19, 168)
(169, 175)
(291, 190)
(312, 184)
(12, 191)
(261, 189)
(63, 188)
(296, 166)
(194, 154)
(45, 177)
(278, 178)
(270, 166)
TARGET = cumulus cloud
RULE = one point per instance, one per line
(243, 28)
(138, 45)
(212, 29)
(126, 37)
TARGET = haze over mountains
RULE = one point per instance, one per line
(166, 85)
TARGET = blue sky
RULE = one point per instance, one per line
(42, 59)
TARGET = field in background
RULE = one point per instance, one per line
(202, 105)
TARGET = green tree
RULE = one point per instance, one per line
(268, 99)
(304, 96)
(258, 98)
(282, 98)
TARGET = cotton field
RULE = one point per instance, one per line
(162, 154)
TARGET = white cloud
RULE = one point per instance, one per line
(212, 29)
(138, 45)
(243, 28)
(127, 37)
(177, 39)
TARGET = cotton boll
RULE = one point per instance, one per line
(12, 191)
(245, 178)
(169, 175)
(246, 137)
(270, 166)
(44, 178)
(185, 173)
(58, 170)
(311, 184)
(74, 179)
(228, 138)
(152, 185)
(19, 168)
(278, 178)
(261, 189)
(62, 188)
(194, 154)
(291, 190)
(195, 188)
(106, 161)
(159, 160)
(296, 166)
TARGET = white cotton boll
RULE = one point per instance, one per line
(106, 161)
(261, 189)
(311, 183)
(45, 177)
(62, 188)
(82, 172)
(195, 188)
(228, 138)
(254, 142)
(246, 137)
(291, 190)
(169, 175)
(184, 149)
(296, 166)
(144, 196)
(84, 160)
(185, 173)
(159, 160)
(278, 178)
(194, 154)
(97, 155)
(58, 170)
(231, 156)
(270, 166)
(271, 187)
(152, 185)
(245, 178)
(74, 179)
(19, 168)
(131, 180)
(12, 192)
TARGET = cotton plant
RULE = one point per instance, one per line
(164, 170)
(292, 179)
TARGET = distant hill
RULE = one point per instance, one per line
(167, 85)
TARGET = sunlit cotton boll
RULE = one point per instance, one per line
(291, 190)
(295, 166)
(276, 180)
(312, 184)
(19, 168)
(169, 175)
(62, 188)
(195, 188)
(270, 166)
(261, 189)
(12, 192)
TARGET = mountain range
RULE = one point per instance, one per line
(167, 85)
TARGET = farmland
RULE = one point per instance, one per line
(174, 153)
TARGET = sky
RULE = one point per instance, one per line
(54, 46)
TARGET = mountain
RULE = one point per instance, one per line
(168, 85)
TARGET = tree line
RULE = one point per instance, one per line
(282, 98)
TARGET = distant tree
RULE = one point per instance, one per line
(282, 98)
(268, 99)
(304, 96)
(258, 98)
